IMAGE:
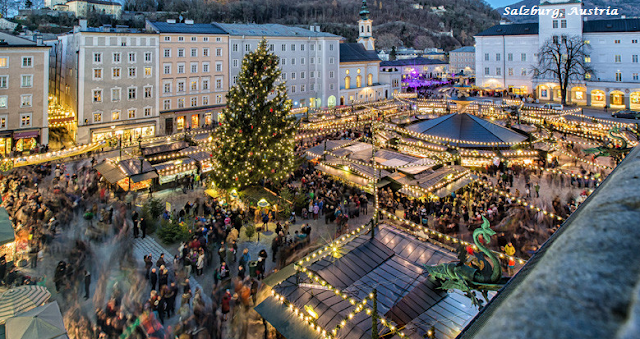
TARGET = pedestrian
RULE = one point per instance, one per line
(254, 290)
(3, 267)
(234, 246)
(316, 210)
(143, 227)
(246, 257)
(226, 305)
(153, 278)
(241, 272)
(537, 188)
(148, 263)
(87, 283)
(160, 262)
(275, 243)
(222, 252)
(200, 263)
(265, 221)
(135, 229)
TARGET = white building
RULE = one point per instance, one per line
(507, 53)
(309, 59)
(463, 60)
(360, 66)
(108, 78)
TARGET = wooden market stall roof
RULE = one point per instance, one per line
(7, 233)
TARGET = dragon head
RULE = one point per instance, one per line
(615, 130)
(485, 230)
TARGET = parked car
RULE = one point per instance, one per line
(557, 107)
(626, 114)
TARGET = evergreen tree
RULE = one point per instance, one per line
(256, 135)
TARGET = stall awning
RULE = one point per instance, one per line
(26, 134)
(110, 172)
(7, 234)
(144, 176)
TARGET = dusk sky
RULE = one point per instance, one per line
(500, 3)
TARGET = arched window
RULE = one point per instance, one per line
(347, 82)
(359, 81)
(368, 29)
(370, 79)
(361, 29)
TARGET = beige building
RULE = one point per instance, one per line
(194, 73)
(108, 78)
(81, 8)
(463, 60)
(24, 91)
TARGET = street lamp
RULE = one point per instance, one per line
(119, 134)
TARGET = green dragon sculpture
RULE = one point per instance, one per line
(467, 278)
(608, 149)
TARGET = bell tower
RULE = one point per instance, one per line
(364, 28)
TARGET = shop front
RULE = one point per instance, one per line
(25, 141)
(176, 122)
(129, 134)
(5, 144)
(174, 170)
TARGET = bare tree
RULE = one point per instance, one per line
(563, 59)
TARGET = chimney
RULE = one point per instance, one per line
(317, 28)
(188, 22)
(312, 28)
(83, 24)
(171, 21)
(39, 40)
(623, 17)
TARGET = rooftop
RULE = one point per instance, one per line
(8, 40)
(271, 30)
(98, 2)
(511, 29)
(355, 52)
(165, 27)
(464, 49)
(589, 26)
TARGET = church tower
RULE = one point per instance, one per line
(364, 28)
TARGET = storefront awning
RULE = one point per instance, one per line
(7, 234)
(144, 176)
(26, 134)
(110, 172)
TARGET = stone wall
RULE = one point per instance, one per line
(585, 281)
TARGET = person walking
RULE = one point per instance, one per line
(148, 263)
(143, 227)
(136, 232)
(87, 284)
(537, 188)
(200, 263)
(153, 278)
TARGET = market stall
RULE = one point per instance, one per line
(139, 174)
(173, 170)
(7, 235)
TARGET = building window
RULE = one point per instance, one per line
(634, 58)
(115, 73)
(27, 62)
(235, 62)
(302, 88)
(618, 58)
(347, 82)
(587, 58)
(293, 76)
(180, 68)
(219, 52)
(358, 81)
(132, 72)
(331, 60)
(131, 113)
(635, 76)
(167, 52)
(194, 52)
(115, 115)
(167, 87)
(234, 47)
(132, 93)
(4, 81)
(510, 71)
(26, 100)
(115, 94)
(181, 103)
(331, 74)
(293, 89)
(97, 117)
(523, 72)
(283, 61)
(194, 67)
(302, 75)
(218, 84)
(147, 72)
(205, 85)
(132, 57)
(555, 39)
(205, 100)
(147, 111)
(194, 38)
(4, 63)
(218, 99)
(218, 67)
(166, 104)
(97, 95)
(205, 52)
(272, 47)
(167, 38)
(235, 80)
(180, 52)
(148, 92)
(97, 58)
(486, 71)
(616, 41)
(330, 47)
(555, 23)
(563, 23)
(180, 38)
(331, 87)
(486, 57)
(97, 74)
(618, 76)
(293, 47)
(180, 86)
(194, 101)
(167, 69)
(247, 48)
(194, 85)
(3, 101)
(284, 48)
(510, 57)
(498, 71)
(284, 76)
(25, 120)
(497, 56)
(293, 61)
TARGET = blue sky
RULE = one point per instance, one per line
(500, 3)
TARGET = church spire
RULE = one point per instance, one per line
(364, 11)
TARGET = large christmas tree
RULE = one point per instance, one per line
(256, 135)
